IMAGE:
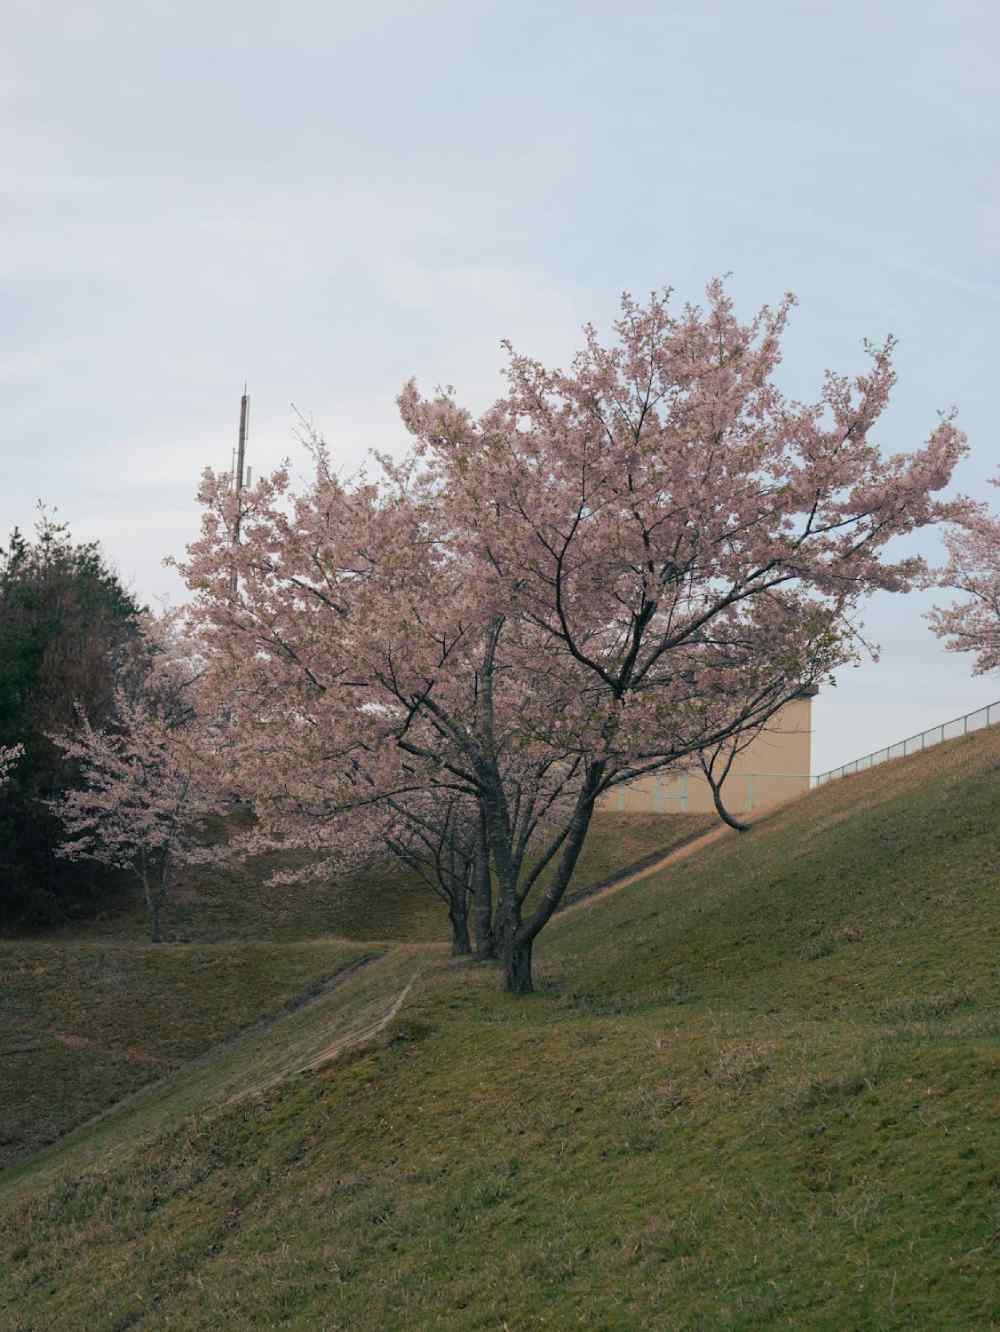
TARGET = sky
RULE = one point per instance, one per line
(324, 199)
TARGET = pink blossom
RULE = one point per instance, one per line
(973, 625)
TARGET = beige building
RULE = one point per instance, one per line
(773, 768)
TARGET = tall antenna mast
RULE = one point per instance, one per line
(241, 454)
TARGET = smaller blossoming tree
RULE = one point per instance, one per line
(148, 781)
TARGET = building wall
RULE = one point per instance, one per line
(774, 768)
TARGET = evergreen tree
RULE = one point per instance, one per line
(66, 624)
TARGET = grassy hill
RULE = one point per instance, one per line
(758, 1090)
(92, 1013)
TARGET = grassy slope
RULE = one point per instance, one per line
(387, 903)
(89, 1018)
(761, 1089)
(244, 1065)
(86, 1024)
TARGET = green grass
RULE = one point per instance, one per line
(245, 1064)
(759, 1090)
(90, 1018)
(86, 1024)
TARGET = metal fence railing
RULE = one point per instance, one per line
(949, 730)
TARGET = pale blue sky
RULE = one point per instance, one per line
(327, 198)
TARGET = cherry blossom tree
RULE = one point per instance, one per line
(328, 783)
(609, 571)
(149, 781)
(438, 838)
(435, 833)
(642, 509)
(440, 835)
(438, 831)
(973, 625)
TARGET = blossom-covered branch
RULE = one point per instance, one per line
(973, 625)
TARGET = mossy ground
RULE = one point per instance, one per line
(758, 1090)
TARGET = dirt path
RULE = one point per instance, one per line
(366, 1032)
(370, 1029)
(679, 853)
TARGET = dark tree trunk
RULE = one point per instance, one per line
(519, 935)
(517, 967)
(508, 922)
(458, 914)
(152, 902)
(486, 947)
(724, 813)
(155, 894)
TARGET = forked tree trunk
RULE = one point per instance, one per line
(517, 967)
(518, 936)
